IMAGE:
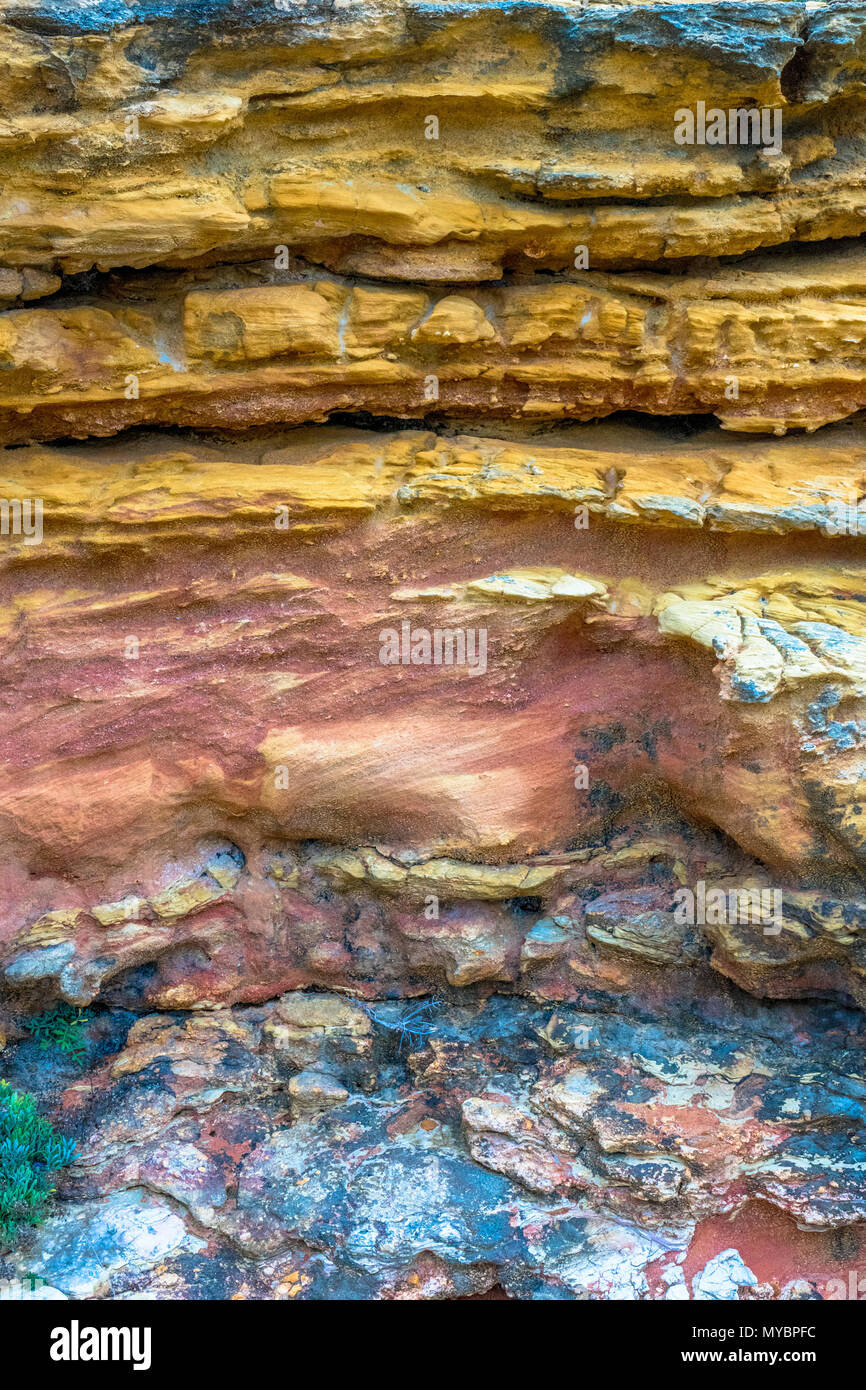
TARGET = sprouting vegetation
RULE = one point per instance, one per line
(31, 1152)
(61, 1030)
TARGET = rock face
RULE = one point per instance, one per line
(434, 646)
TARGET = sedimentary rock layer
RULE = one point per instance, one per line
(220, 131)
(762, 345)
(419, 1179)
(433, 645)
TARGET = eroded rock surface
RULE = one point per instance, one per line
(551, 1153)
(433, 646)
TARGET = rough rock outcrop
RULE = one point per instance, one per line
(433, 644)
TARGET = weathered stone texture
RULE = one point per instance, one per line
(326, 328)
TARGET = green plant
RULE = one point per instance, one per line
(31, 1151)
(61, 1030)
